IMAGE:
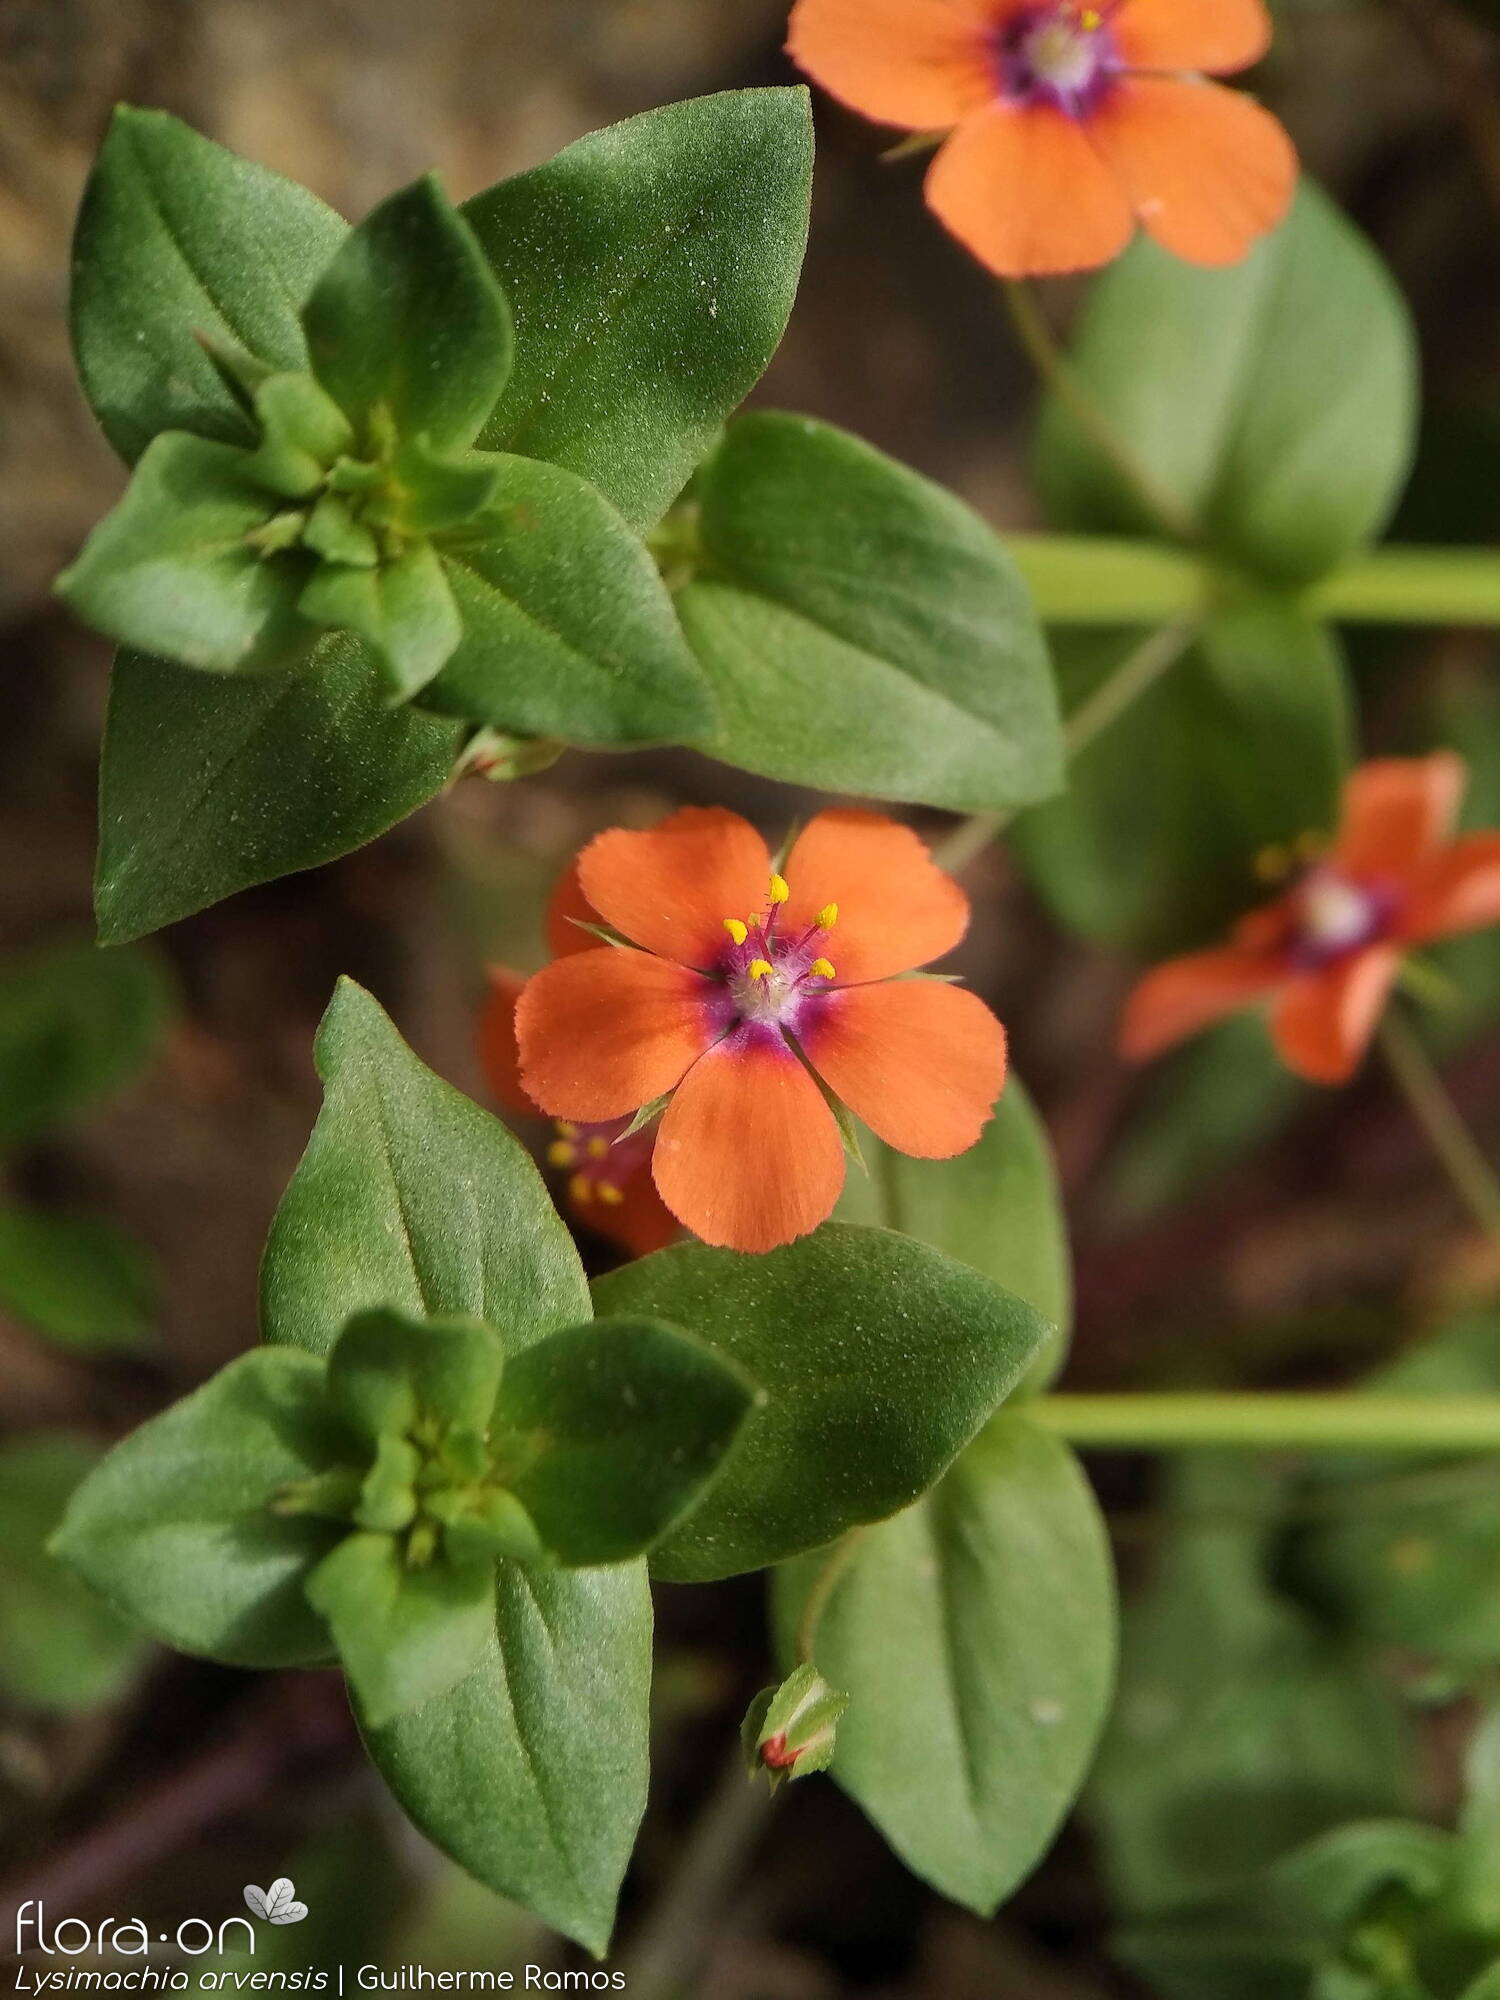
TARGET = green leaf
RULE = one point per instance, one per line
(404, 1635)
(532, 1771)
(864, 631)
(567, 627)
(76, 1024)
(879, 1359)
(1242, 1727)
(389, 1373)
(211, 786)
(177, 238)
(997, 1207)
(408, 318)
(607, 1434)
(409, 1196)
(1274, 401)
(173, 570)
(177, 1527)
(1241, 746)
(60, 1646)
(1405, 1553)
(403, 610)
(651, 269)
(83, 1283)
(975, 1637)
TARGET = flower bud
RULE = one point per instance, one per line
(789, 1730)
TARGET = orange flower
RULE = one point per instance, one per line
(609, 1185)
(725, 996)
(1067, 122)
(1327, 952)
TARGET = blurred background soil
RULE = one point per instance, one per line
(1291, 1266)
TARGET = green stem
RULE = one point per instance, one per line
(1141, 669)
(1036, 336)
(1411, 1067)
(1411, 586)
(824, 1584)
(1429, 1425)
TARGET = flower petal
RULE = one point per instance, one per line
(499, 1057)
(671, 888)
(1213, 35)
(1398, 811)
(567, 909)
(604, 1031)
(1206, 169)
(1323, 1022)
(918, 63)
(749, 1155)
(896, 908)
(1022, 188)
(1183, 995)
(920, 1062)
(638, 1223)
(1458, 890)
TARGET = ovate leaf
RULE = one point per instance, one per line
(76, 1024)
(567, 628)
(651, 270)
(1274, 401)
(409, 1196)
(409, 317)
(177, 1526)
(974, 1635)
(80, 1281)
(177, 238)
(863, 630)
(532, 1771)
(878, 1357)
(209, 787)
(607, 1434)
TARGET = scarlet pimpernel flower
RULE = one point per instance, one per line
(606, 1166)
(742, 992)
(1067, 123)
(1328, 950)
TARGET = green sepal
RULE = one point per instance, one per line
(404, 1634)
(791, 1731)
(404, 611)
(409, 320)
(173, 569)
(335, 533)
(388, 1493)
(180, 1526)
(391, 1373)
(609, 1433)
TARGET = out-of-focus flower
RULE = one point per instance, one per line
(735, 988)
(608, 1167)
(1327, 951)
(1067, 123)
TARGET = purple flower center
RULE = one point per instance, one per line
(770, 971)
(1063, 55)
(1337, 915)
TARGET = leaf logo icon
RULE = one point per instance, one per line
(278, 1904)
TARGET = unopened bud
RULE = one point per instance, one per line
(789, 1730)
(489, 753)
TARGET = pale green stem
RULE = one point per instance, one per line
(1036, 336)
(1429, 1425)
(824, 1584)
(1473, 1177)
(1144, 666)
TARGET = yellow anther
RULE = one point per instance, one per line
(821, 968)
(581, 1189)
(598, 1149)
(779, 890)
(1272, 864)
(609, 1194)
(568, 1131)
(738, 931)
(561, 1153)
(761, 968)
(828, 916)
(1090, 19)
